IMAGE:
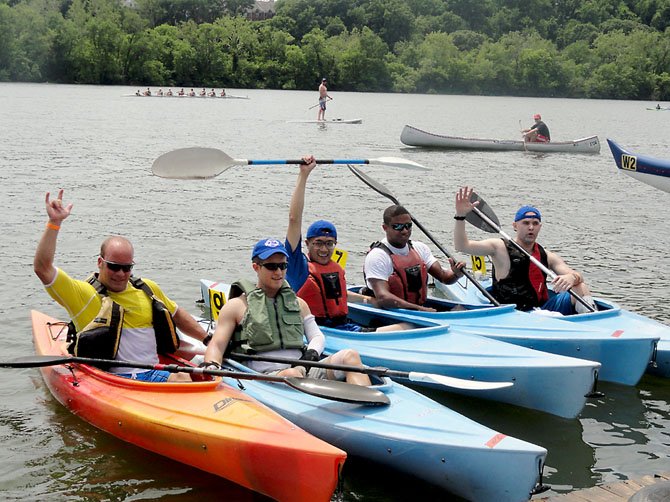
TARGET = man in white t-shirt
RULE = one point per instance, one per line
(396, 268)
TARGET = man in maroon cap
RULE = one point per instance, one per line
(538, 132)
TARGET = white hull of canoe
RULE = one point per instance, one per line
(547, 382)
(327, 121)
(412, 136)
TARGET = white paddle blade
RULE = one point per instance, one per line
(398, 162)
(456, 383)
(192, 163)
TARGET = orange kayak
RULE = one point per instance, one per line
(208, 425)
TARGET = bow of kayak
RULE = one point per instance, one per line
(208, 425)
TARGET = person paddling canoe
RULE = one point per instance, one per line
(538, 132)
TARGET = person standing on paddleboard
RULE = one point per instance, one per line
(323, 97)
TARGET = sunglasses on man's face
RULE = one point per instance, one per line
(115, 267)
(275, 266)
(399, 227)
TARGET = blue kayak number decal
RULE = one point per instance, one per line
(629, 162)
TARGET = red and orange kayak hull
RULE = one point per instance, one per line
(208, 425)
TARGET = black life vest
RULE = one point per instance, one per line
(518, 287)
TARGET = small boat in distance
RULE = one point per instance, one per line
(327, 121)
(412, 136)
(183, 96)
(649, 170)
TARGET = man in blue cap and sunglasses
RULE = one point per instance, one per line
(515, 278)
(267, 317)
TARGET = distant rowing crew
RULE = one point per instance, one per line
(203, 93)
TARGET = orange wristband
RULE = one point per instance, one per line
(52, 226)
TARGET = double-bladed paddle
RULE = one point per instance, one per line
(205, 163)
(413, 376)
(327, 389)
(483, 217)
(378, 187)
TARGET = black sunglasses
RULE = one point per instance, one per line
(275, 266)
(399, 227)
(115, 267)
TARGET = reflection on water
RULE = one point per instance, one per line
(99, 147)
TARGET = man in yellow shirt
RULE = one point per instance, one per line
(136, 338)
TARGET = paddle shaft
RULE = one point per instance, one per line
(413, 376)
(376, 370)
(327, 389)
(314, 106)
(300, 161)
(466, 272)
(550, 273)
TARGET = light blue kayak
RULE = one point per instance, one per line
(415, 435)
(542, 381)
(610, 318)
(624, 354)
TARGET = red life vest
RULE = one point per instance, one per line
(409, 280)
(325, 291)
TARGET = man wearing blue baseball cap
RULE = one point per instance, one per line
(268, 318)
(515, 278)
(316, 278)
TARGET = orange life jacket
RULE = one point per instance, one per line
(325, 291)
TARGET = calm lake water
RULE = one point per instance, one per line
(99, 147)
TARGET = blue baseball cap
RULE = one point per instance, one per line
(321, 228)
(265, 248)
(527, 212)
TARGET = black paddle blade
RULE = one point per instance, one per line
(374, 184)
(339, 391)
(474, 219)
(35, 361)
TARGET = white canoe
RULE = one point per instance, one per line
(328, 121)
(416, 137)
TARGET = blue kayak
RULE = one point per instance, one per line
(610, 317)
(415, 435)
(624, 354)
(649, 170)
(542, 381)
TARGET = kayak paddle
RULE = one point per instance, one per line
(413, 376)
(483, 217)
(378, 187)
(205, 163)
(327, 389)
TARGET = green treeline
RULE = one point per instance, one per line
(577, 48)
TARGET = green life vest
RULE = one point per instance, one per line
(101, 337)
(269, 323)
